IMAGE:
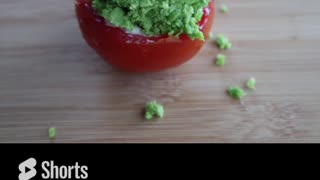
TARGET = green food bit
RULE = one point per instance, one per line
(52, 133)
(153, 109)
(210, 36)
(224, 8)
(220, 60)
(223, 42)
(154, 17)
(251, 83)
(236, 92)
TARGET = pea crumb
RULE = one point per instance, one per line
(223, 42)
(153, 109)
(224, 8)
(251, 83)
(236, 92)
(52, 133)
(220, 60)
(210, 36)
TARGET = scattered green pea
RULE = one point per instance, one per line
(224, 8)
(52, 133)
(236, 92)
(223, 42)
(251, 83)
(220, 60)
(153, 109)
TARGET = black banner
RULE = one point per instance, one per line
(72, 161)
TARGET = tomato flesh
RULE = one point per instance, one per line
(135, 52)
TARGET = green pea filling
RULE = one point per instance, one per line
(154, 17)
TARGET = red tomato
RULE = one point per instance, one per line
(138, 53)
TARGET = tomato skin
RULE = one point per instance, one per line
(134, 52)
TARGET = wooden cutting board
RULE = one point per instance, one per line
(50, 77)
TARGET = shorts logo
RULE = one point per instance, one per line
(27, 169)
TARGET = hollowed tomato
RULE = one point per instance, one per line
(136, 52)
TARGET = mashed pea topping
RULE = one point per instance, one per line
(154, 17)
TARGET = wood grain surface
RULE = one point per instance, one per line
(50, 77)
